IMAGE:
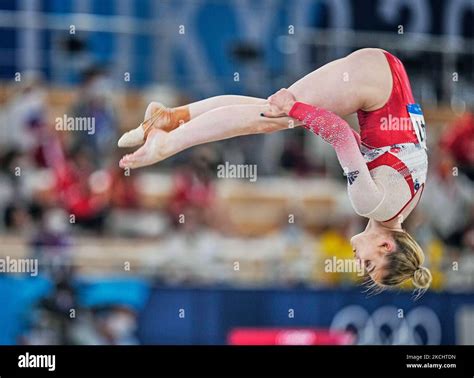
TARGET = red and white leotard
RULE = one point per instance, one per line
(386, 167)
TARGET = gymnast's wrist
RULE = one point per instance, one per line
(288, 106)
(294, 109)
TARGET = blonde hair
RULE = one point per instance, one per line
(405, 262)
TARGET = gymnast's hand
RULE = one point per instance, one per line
(153, 151)
(280, 104)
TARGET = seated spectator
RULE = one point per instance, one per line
(458, 141)
(96, 103)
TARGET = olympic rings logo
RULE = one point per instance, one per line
(419, 326)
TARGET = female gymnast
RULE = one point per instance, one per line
(385, 165)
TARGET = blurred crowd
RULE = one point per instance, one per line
(88, 189)
(88, 186)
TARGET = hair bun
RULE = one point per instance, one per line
(422, 278)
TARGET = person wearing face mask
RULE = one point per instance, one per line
(111, 325)
(119, 326)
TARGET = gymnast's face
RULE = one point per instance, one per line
(371, 247)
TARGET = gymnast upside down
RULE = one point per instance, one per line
(385, 165)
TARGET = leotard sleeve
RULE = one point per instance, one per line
(364, 193)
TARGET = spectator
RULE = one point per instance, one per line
(96, 103)
(24, 112)
(458, 141)
(453, 196)
(193, 190)
(111, 325)
(89, 208)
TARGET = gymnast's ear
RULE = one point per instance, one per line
(388, 246)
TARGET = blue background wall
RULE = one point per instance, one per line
(211, 313)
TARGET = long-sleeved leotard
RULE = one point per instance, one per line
(380, 191)
(364, 193)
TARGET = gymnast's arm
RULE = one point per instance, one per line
(364, 193)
